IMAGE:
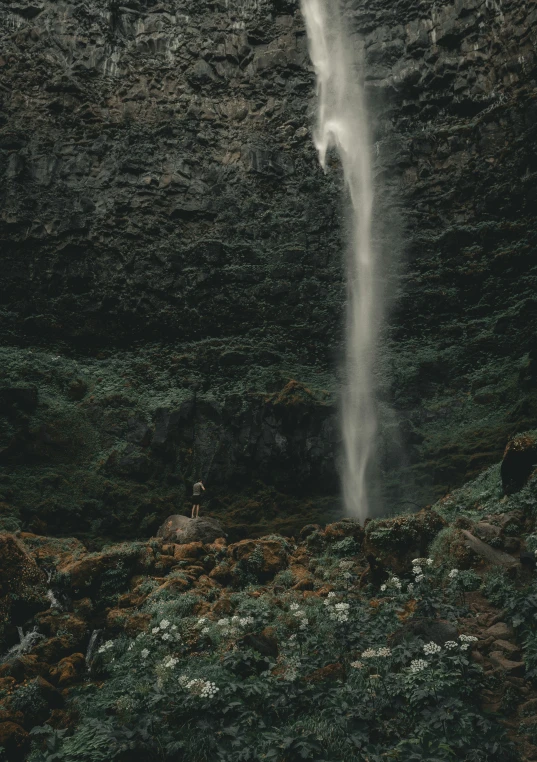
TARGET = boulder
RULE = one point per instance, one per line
(499, 631)
(204, 529)
(264, 642)
(189, 552)
(14, 740)
(437, 630)
(68, 670)
(512, 651)
(519, 460)
(516, 668)
(496, 557)
(307, 530)
(345, 528)
(395, 542)
(23, 589)
(486, 532)
(263, 557)
(183, 530)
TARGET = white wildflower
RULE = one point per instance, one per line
(145, 653)
(410, 587)
(155, 630)
(419, 578)
(164, 624)
(294, 606)
(223, 622)
(417, 570)
(201, 622)
(166, 636)
(429, 562)
(383, 588)
(369, 653)
(417, 665)
(209, 690)
(468, 638)
(205, 630)
(331, 595)
(347, 575)
(170, 662)
(356, 664)
(453, 573)
(342, 606)
(384, 652)
(173, 627)
(450, 645)
(431, 648)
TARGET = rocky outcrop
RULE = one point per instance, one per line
(183, 530)
(519, 460)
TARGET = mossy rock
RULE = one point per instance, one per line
(395, 542)
(451, 547)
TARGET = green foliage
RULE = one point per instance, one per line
(284, 578)
(28, 699)
(333, 689)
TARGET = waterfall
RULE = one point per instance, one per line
(91, 648)
(26, 643)
(342, 124)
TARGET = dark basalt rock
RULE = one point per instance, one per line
(184, 530)
(166, 226)
(437, 630)
(519, 460)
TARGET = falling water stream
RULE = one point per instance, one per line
(342, 124)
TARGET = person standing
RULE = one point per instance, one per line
(196, 498)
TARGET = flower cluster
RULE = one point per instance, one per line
(300, 614)
(199, 687)
(106, 647)
(417, 665)
(422, 562)
(431, 648)
(170, 662)
(357, 664)
(292, 666)
(453, 573)
(466, 641)
(392, 582)
(161, 629)
(339, 612)
(227, 626)
(370, 653)
(346, 565)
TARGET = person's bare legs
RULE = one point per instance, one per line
(193, 509)
(197, 511)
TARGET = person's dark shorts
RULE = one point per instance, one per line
(196, 499)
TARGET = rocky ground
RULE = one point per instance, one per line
(63, 606)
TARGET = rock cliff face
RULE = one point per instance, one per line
(172, 282)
